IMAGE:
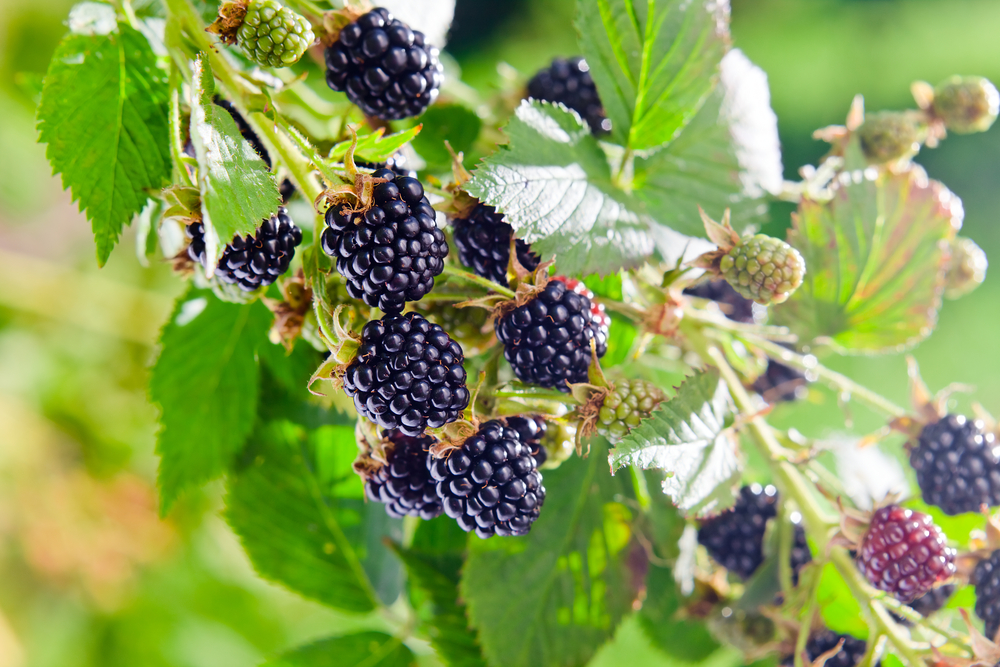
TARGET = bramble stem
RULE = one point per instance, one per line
(453, 271)
(298, 166)
(531, 393)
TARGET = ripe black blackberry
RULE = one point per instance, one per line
(483, 242)
(904, 553)
(986, 578)
(568, 81)
(735, 538)
(734, 306)
(391, 253)
(403, 483)
(780, 383)
(384, 67)
(251, 261)
(801, 555)
(531, 428)
(407, 375)
(491, 484)
(928, 603)
(957, 465)
(849, 655)
(547, 340)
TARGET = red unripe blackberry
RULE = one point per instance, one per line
(569, 82)
(407, 375)
(251, 261)
(734, 306)
(986, 578)
(957, 465)
(735, 538)
(384, 67)
(403, 483)
(547, 340)
(391, 253)
(483, 242)
(490, 484)
(904, 553)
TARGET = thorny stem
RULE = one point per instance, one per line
(453, 271)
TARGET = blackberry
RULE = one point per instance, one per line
(904, 553)
(764, 269)
(483, 242)
(886, 136)
(966, 104)
(251, 261)
(986, 578)
(273, 35)
(780, 383)
(491, 484)
(623, 409)
(568, 81)
(407, 375)
(801, 555)
(403, 483)
(734, 306)
(391, 253)
(384, 67)
(547, 340)
(735, 538)
(957, 465)
(849, 655)
(532, 430)
(933, 600)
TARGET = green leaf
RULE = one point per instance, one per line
(553, 184)
(838, 606)
(295, 531)
(654, 62)
(205, 383)
(679, 638)
(554, 596)
(103, 115)
(375, 147)
(685, 437)
(363, 649)
(454, 123)
(238, 191)
(874, 261)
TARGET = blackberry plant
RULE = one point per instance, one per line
(460, 373)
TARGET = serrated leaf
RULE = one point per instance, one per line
(295, 531)
(686, 437)
(874, 261)
(457, 124)
(375, 147)
(238, 191)
(727, 157)
(362, 649)
(654, 62)
(554, 596)
(103, 115)
(553, 184)
(205, 382)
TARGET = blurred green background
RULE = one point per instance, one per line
(88, 573)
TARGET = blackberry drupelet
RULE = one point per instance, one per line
(568, 81)
(986, 579)
(801, 554)
(251, 261)
(547, 340)
(384, 67)
(531, 428)
(391, 253)
(735, 538)
(957, 465)
(490, 484)
(625, 407)
(734, 306)
(933, 600)
(849, 655)
(904, 553)
(780, 383)
(483, 242)
(403, 483)
(407, 375)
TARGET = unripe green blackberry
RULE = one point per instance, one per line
(966, 104)
(623, 409)
(764, 269)
(966, 269)
(273, 35)
(887, 136)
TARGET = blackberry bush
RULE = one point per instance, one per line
(403, 484)
(483, 243)
(957, 465)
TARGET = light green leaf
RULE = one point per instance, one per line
(375, 147)
(553, 185)
(685, 639)
(205, 383)
(874, 261)
(363, 649)
(686, 437)
(838, 606)
(103, 115)
(654, 62)
(456, 124)
(292, 526)
(554, 596)
(238, 191)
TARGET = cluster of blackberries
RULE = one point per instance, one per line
(568, 82)
(958, 465)
(483, 242)
(391, 253)
(384, 67)
(252, 261)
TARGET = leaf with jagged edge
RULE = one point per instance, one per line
(238, 191)
(654, 62)
(374, 147)
(686, 437)
(362, 649)
(554, 596)
(104, 116)
(875, 258)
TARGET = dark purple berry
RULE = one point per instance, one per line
(822, 641)
(986, 578)
(733, 306)
(958, 465)
(780, 383)
(403, 483)
(483, 243)
(735, 538)
(569, 82)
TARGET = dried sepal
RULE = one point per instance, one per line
(373, 449)
(336, 20)
(229, 20)
(290, 312)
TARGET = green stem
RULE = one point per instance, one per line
(312, 156)
(623, 167)
(719, 321)
(298, 166)
(176, 144)
(455, 272)
(531, 393)
(634, 313)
